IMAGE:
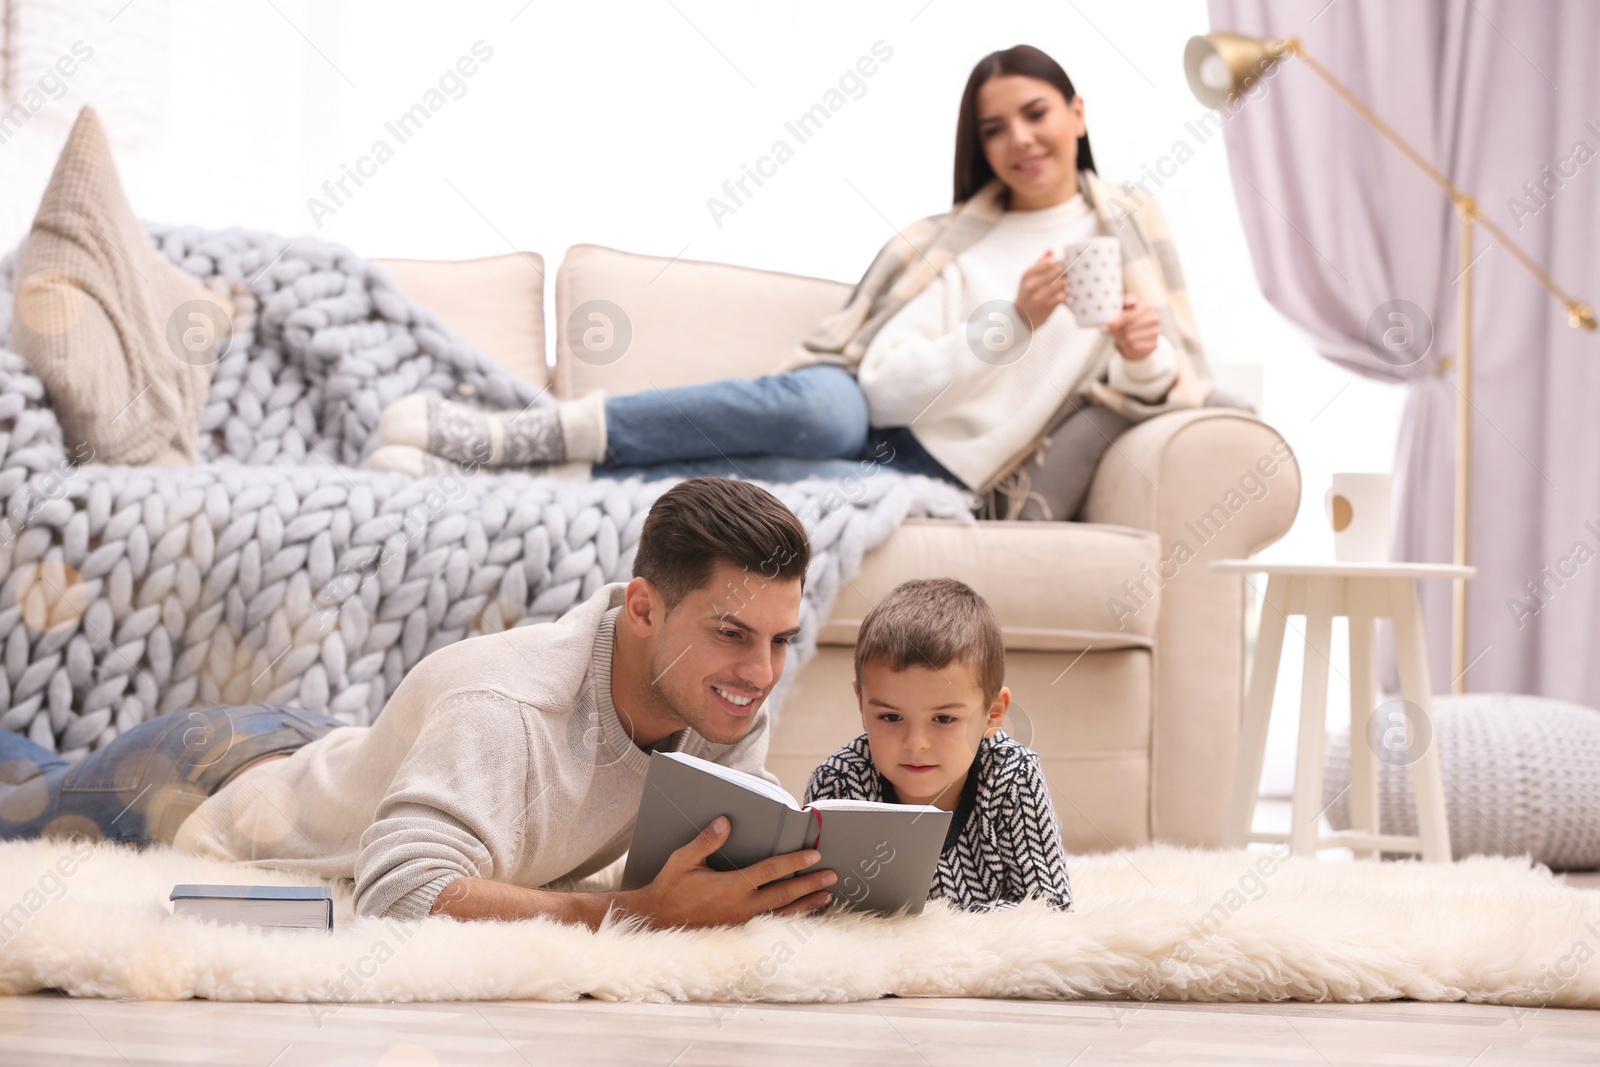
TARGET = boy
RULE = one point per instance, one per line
(929, 666)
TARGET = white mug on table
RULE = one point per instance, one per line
(1358, 511)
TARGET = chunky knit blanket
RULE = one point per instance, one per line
(279, 569)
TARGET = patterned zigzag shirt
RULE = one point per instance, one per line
(1004, 847)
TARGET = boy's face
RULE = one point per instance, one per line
(924, 726)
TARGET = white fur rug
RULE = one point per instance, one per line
(1156, 922)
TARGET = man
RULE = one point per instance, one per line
(501, 763)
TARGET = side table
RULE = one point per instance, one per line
(1364, 592)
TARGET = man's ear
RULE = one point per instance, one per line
(644, 609)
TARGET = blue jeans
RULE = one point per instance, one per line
(779, 428)
(140, 787)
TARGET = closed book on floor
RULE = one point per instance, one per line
(884, 854)
(276, 907)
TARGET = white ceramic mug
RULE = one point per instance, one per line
(1358, 510)
(1094, 280)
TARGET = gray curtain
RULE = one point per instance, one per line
(1504, 99)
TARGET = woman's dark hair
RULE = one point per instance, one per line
(972, 167)
(698, 522)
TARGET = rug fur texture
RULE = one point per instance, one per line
(1158, 922)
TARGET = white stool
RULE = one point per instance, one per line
(1364, 592)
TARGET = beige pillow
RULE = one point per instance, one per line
(124, 341)
(496, 302)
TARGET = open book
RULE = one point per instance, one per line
(884, 854)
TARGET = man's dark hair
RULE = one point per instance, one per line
(698, 522)
(934, 622)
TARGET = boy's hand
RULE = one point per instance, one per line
(689, 893)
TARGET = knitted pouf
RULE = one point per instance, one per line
(1521, 775)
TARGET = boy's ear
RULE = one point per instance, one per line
(997, 712)
(860, 704)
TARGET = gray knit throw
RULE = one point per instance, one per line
(280, 570)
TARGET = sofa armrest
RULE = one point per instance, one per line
(1214, 483)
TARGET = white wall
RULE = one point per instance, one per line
(614, 123)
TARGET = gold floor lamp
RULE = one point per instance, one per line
(1221, 67)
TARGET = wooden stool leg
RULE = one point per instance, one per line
(1257, 711)
(1427, 776)
(1319, 596)
(1363, 761)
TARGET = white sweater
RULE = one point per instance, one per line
(973, 416)
(497, 757)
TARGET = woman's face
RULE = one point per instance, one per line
(1030, 137)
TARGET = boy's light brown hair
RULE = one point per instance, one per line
(934, 622)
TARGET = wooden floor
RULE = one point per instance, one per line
(43, 1030)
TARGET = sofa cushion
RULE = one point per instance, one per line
(1053, 586)
(496, 302)
(124, 342)
(627, 322)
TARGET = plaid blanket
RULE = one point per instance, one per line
(917, 254)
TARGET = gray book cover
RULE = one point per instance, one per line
(190, 891)
(884, 854)
(271, 906)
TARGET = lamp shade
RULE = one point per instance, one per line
(1221, 65)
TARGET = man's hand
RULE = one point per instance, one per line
(1135, 331)
(685, 893)
(689, 893)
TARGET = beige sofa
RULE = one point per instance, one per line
(1125, 653)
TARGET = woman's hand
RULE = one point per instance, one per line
(1135, 331)
(1043, 289)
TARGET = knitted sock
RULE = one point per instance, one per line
(414, 462)
(405, 459)
(534, 436)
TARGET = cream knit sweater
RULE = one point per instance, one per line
(974, 416)
(497, 757)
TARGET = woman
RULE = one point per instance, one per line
(901, 375)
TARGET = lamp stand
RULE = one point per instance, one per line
(1468, 211)
(1578, 314)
